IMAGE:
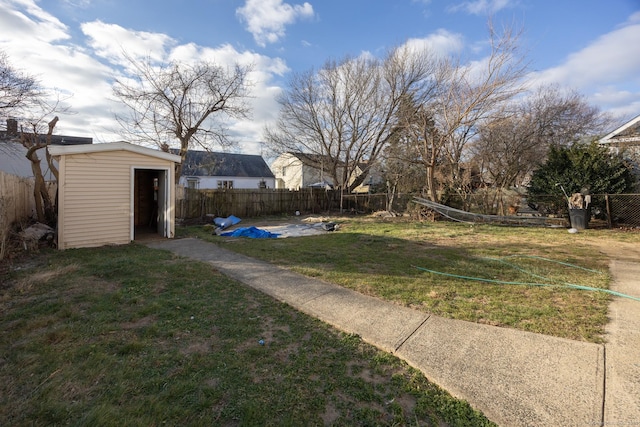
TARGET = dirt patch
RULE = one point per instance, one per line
(18, 263)
(196, 348)
(140, 323)
(330, 415)
(622, 251)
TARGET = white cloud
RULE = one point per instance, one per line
(227, 55)
(441, 43)
(111, 42)
(77, 3)
(607, 68)
(634, 18)
(25, 17)
(267, 19)
(603, 60)
(264, 108)
(39, 44)
(481, 7)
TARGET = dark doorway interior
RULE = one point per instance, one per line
(145, 197)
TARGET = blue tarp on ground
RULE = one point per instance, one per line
(251, 232)
(226, 222)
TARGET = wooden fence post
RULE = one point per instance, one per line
(609, 219)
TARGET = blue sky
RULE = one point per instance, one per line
(76, 46)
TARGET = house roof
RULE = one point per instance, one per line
(318, 161)
(13, 158)
(628, 132)
(59, 150)
(55, 139)
(67, 140)
(13, 134)
(206, 163)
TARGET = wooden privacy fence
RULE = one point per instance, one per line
(16, 203)
(197, 204)
(16, 199)
(193, 205)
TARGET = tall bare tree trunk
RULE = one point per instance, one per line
(45, 209)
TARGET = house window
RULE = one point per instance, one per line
(193, 183)
(225, 185)
(284, 171)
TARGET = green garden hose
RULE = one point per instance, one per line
(560, 285)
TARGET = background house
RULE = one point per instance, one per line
(208, 170)
(294, 170)
(625, 140)
(13, 158)
(625, 137)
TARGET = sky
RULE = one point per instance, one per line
(76, 46)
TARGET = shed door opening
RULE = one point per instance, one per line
(150, 203)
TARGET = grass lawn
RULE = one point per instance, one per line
(134, 336)
(456, 270)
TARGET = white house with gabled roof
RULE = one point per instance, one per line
(625, 140)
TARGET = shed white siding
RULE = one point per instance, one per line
(95, 196)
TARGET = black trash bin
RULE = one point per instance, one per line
(579, 218)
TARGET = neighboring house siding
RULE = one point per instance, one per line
(204, 169)
(311, 175)
(211, 182)
(625, 140)
(293, 172)
(13, 160)
(95, 196)
(288, 171)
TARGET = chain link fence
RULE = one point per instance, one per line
(622, 210)
(606, 210)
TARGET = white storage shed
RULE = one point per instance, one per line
(113, 193)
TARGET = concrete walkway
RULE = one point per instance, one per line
(515, 378)
(622, 396)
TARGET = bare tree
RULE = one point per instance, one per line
(511, 147)
(33, 141)
(420, 143)
(180, 102)
(21, 96)
(465, 97)
(346, 112)
(402, 169)
(18, 90)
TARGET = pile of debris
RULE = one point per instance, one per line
(35, 235)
